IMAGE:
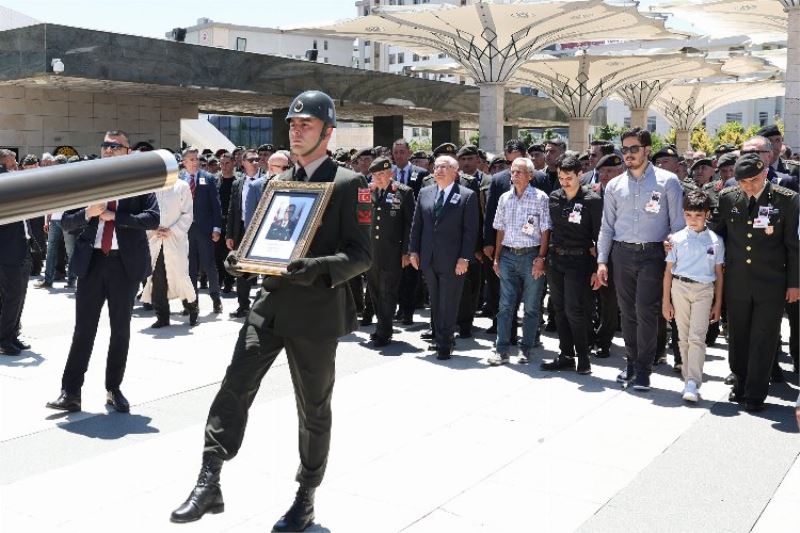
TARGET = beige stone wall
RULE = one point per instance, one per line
(37, 120)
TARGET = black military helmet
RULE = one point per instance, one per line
(313, 104)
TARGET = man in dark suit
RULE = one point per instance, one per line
(225, 178)
(111, 258)
(237, 223)
(442, 244)
(15, 267)
(410, 175)
(597, 149)
(303, 311)
(773, 133)
(205, 229)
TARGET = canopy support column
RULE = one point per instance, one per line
(683, 140)
(579, 134)
(792, 118)
(639, 118)
(491, 120)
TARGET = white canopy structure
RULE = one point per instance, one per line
(685, 105)
(491, 41)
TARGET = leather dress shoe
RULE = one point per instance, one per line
(584, 366)
(160, 323)
(730, 379)
(22, 345)
(443, 354)
(366, 321)
(206, 496)
(193, 318)
(217, 303)
(9, 348)
(300, 515)
(602, 353)
(147, 307)
(734, 397)
(380, 342)
(115, 399)
(426, 335)
(66, 402)
(241, 312)
(559, 363)
(408, 320)
(752, 406)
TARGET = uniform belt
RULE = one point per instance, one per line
(111, 253)
(640, 246)
(521, 251)
(689, 280)
(570, 251)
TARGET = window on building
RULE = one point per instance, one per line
(366, 43)
(324, 45)
(366, 61)
(366, 11)
(392, 59)
(414, 58)
(243, 131)
(441, 56)
(324, 59)
(415, 132)
(314, 44)
(763, 118)
(241, 44)
(425, 132)
(651, 124)
(627, 122)
(733, 117)
(401, 58)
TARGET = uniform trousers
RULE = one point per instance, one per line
(692, 303)
(609, 312)
(570, 291)
(201, 255)
(220, 253)
(753, 333)
(13, 288)
(470, 296)
(312, 368)
(243, 286)
(105, 281)
(383, 290)
(492, 289)
(445, 289)
(409, 283)
(793, 313)
(638, 278)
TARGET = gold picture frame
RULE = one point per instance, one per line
(283, 225)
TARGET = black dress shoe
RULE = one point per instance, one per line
(217, 303)
(380, 342)
(366, 321)
(426, 335)
(300, 515)
(734, 397)
(206, 496)
(602, 353)
(465, 333)
(66, 402)
(9, 348)
(408, 320)
(730, 379)
(443, 354)
(193, 315)
(559, 363)
(752, 406)
(584, 366)
(160, 323)
(22, 345)
(115, 399)
(240, 313)
(147, 307)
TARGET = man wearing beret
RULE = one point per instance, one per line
(763, 148)
(264, 152)
(597, 149)
(773, 133)
(422, 160)
(702, 171)
(758, 220)
(392, 211)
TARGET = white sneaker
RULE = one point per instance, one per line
(690, 393)
(498, 359)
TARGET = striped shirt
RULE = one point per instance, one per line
(522, 219)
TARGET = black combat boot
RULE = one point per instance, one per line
(301, 514)
(206, 497)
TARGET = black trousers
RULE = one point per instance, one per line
(445, 290)
(220, 253)
(105, 281)
(357, 288)
(571, 294)
(160, 288)
(243, 286)
(409, 283)
(13, 288)
(312, 367)
(383, 290)
(609, 312)
(201, 255)
(492, 286)
(638, 277)
(470, 296)
(753, 333)
(793, 312)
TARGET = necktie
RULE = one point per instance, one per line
(751, 207)
(301, 175)
(192, 185)
(108, 229)
(403, 176)
(438, 206)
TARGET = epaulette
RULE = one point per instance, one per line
(783, 190)
(729, 189)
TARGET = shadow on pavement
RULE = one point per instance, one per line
(111, 426)
(25, 359)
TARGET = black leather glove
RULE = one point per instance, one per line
(232, 265)
(304, 271)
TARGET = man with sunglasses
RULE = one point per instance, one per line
(111, 258)
(641, 207)
(276, 164)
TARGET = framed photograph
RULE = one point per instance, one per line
(283, 225)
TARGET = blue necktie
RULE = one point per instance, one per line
(438, 206)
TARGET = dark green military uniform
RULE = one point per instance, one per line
(392, 213)
(760, 264)
(306, 321)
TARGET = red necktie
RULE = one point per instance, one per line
(108, 229)
(192, 184)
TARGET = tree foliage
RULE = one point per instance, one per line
(701, 140)
(609, 132)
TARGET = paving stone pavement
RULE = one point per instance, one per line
(419, 445)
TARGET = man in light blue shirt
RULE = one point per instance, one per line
(641, 208)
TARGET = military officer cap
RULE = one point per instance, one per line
(445, 149)
(726, 160)
(213, 160)
(496, 160)
(535, 148)
(610, 160)
(583, 157)
(748, 166)
(666, 151)
(467, 149)
(265, 148)
(30, 159)
(314, 104)
(769, 131)
(705, 161)
(724, 149)
(482, 155)
(381, 163)
(420, 154)
(365, 152)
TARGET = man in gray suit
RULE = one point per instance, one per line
(443, 236)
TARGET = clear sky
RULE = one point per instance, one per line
(153, 18)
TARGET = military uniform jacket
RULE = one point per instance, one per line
(325, 309)
(392, 214)
(759, 262)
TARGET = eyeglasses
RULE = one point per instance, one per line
(631, 149)
(252, 160)
(435, 167)
(755, 152)
(106, 145)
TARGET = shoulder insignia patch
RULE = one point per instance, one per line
(783, 190)
(732, 188)
(364, 214)
(364, 196)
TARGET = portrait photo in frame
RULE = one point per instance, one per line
(283, 225)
